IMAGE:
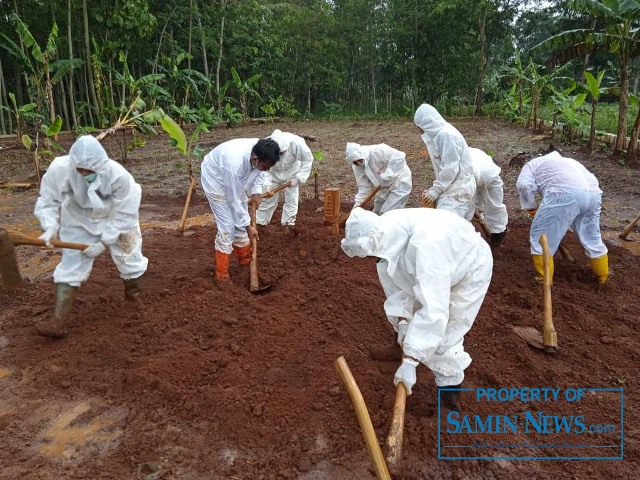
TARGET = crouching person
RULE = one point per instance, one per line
(435, 270)
(85, 197)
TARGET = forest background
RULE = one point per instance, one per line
(81, 64)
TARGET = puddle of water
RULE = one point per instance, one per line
(64, 439)
(632, 243)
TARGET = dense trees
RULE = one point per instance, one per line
(212, 60)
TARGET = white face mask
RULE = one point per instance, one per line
(91, 177)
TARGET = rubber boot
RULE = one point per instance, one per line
(497, 238)
(243, 254)
(222, 266)
(600, 267)
(450, 399)
(56, 326)
(538, 264)
(132, 288)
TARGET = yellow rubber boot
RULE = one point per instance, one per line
(538, 264)
(600, 267)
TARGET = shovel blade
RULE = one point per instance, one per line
(530, 335)
(9, 272)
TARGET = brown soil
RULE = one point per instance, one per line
(202, 382)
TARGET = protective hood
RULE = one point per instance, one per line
(429, 120)
(355, 152)
(361, 233)
(88, 153)
(280, 139)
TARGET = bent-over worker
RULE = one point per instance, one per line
(435, 270)
(490, 195)
(380, 166)
(230, 173)
(454, 187)
(294, 165)
(571, 197)
(85, 197)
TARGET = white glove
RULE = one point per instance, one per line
(431, 195)
(406, 374)
(295, 181)
(48, 235)
(94, 249)
(403, 326)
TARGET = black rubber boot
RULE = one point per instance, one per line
(132, 288)
(450, 399)
(497, 238)
(56, 326)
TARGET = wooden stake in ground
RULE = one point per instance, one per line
(629, 227)
(183, 220)
(549, 335)
(382, 472)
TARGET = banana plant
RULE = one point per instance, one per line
(593, 87)
(21, 114)
(50, 131)
(245, 89)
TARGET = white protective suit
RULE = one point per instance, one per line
(295, 163)
(228, 179)
(435, 271)
(454, 186)
(104, 210)
(382, 166)
(571, 197)
(489, 193)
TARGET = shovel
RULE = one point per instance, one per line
(9, 272)
(548, 341)
(255, 286)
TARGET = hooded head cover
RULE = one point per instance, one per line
(429, 120)
(87, 153)
(355, 152)
(361, 233)
(280, 139)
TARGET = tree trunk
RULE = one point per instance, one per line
(204, 47)
(3, 100)
(632, 149)
(223, 5)
(483, 59)
(87, 45)
(72, 98)
(621, 133)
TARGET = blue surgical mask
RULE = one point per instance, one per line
(91, 177)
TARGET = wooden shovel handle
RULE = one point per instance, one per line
(549, 335)
(343, 219)
(382, 472)
(629, 227)
(19, 239)
(253, 267)
(271, 193)
(395, 438)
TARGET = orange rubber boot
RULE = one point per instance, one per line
(244, 254)
(222, 266)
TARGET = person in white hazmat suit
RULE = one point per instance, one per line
(571, 197)
(230, 173)
(383, 166)
(295, 165)
(85, 197)
(435, 270)
(454, 187)
(489, 195)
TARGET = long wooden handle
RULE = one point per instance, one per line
(629, 227)
(483, 225)
(343, 219)
(396, 432)
(20, 239)
(271, 193)
(549, 335)
(192, 186)
(375, 452)
(566, 254)
(253, 268)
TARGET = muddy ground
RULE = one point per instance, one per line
(204, 383)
